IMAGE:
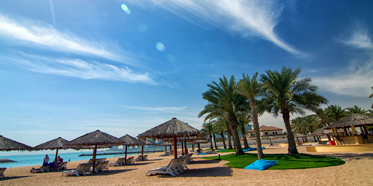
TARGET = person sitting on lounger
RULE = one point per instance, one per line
(60, 160)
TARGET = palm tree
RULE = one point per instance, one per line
(285, 95)
(242, 123)
(355, 109)
(250, 88)
(336, 112)
(221, 127)
(223, 100)
(324, 117)
(207, 128)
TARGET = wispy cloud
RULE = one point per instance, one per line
(36, 34)
(248, 17)
(162, 109)
(356, 79)
(359, 39)
(80, 69)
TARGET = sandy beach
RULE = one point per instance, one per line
(356, 171)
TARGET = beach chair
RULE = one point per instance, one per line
(131, 160)
(189, 158)
(145, 157)
(101, 166)
(139, 158)
(41, 169)
(2, 169)
(62, 166)
(169, 169)
(181, 166)
(165, 154)
(119, 162)
(77, 171)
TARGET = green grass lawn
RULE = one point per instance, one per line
(284, 161)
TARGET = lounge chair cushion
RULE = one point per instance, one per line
(261, 164)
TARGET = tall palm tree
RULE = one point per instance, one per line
(285, 95)
(250, 88)
(225, 101)
(242, 123)
(221, 127)
(336, 112)
(208, 130)
(355, 109)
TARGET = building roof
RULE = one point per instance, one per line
(264, 128)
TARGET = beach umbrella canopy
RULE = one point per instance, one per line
(7, 144)
(131, 141)
(96, 139)
(171, 129)
(148, 142)
(352, 120)
(57, 144)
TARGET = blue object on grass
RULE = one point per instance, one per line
(261, 164)
(222, 149)
(201, 153)
(263, 148)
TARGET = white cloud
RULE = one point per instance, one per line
(80, 69)
(354, 81)
(248, 17)
(162, 109)
(46, 36)
(359, 39)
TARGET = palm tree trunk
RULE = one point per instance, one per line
(236, 139)
(211, 141)
(243, 131)
(229, 133)
(254, 117)
(292, 147)
(223, 138)
(216, 147)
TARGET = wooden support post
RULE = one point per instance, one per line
(94, 158)
(186, 148)
(175, 147)
(125, 156)
(353, 130)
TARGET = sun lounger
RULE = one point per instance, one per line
(165, 154)
(119, 162)
(189, 158)
(97, 160)
(79, 170)
(41, 169)
(181, 167)
(101, 166)
(145, 157)
(131, 160)
(169, 169)
(2, 169)
(139, 158)
(62, 166)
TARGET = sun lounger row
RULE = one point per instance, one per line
(47, 168)
(80, 170)
(176, 166)
(122, 161)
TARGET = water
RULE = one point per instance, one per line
(37, 159)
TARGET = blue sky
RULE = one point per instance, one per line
(70, 67)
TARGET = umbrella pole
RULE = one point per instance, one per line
(125, 156)
(175, 148)
(165, 149)
(270, 141)
(186, 148)
(142, 152)
(182, 148)
(94, 158)
(199, 147)
(55, 159)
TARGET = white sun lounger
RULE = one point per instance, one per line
(101, 166)
(131, 160)
(169, 169)
(77, 171)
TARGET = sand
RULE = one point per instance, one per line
(358, 170)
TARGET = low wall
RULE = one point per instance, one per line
(342, 148)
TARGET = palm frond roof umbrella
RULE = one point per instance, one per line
(96, 139)
(148, 142)
(7, 144)
(171, 129)
(352, 120)
(57, 144)
(131, 141)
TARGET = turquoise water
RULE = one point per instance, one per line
(37, 159)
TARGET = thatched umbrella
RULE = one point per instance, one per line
(57, 144)
(165, 144)
(131, 141)
(96, 139)
(199, 143)
(171, 129)
(7, 144)
(353, 120)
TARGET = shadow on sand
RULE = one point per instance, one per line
(351, 156)
(110, 172)
(203, 172)
(13, 177)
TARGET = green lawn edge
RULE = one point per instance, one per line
(284, 161)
